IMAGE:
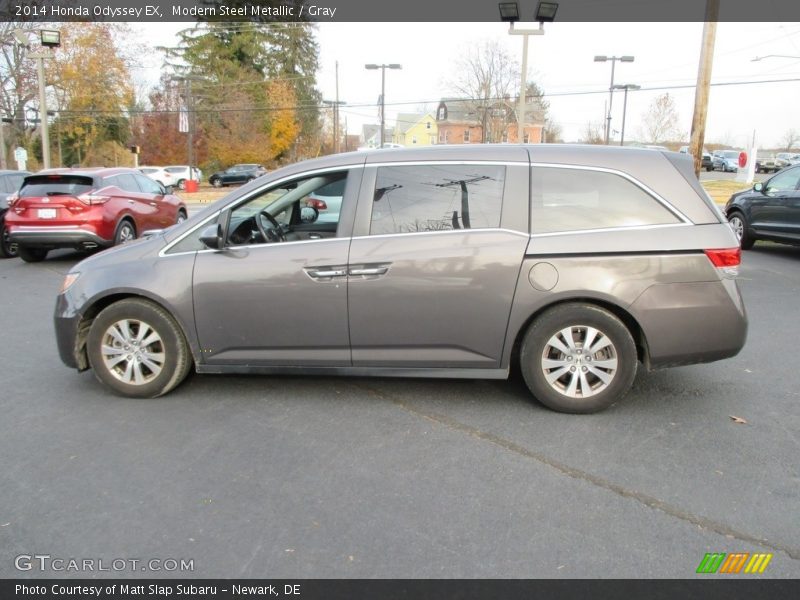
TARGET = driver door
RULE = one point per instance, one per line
(269, 299)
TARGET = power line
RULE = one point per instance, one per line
(301, 107)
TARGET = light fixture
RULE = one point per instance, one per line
(509, 11)
(546, 12)
(50, 38)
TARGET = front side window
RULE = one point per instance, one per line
(300, 209)
(148, 186)
(440, 197)
(785, 182)
(581, 199)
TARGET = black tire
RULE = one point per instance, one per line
(181, 185)
(138, 313)
(182, 216)
(32, 255)
(215, 182)
(7, 249)
(742, 229)
(126, 231)
(579, 319)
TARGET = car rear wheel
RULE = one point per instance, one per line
(181, 184)
(125, 232)
(578, 358)
(137, 349)
(7, 248)
(181, 216)
(32, 255)
(217, 183)
(740, 228)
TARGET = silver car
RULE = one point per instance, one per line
(574, 263)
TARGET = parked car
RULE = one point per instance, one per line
(725, 160)
(770, 210)
(181, 174)
(785, 159)
(10, 181)
(705, 162)
(236, 174)
(87, 209)
(160, 176)
(766, 163)
(454, 261)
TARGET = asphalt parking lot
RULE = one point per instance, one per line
(322, 477)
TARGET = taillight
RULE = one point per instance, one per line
(318, 204)
(727, 260)
(90, 198)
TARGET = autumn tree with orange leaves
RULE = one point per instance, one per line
(94, 92)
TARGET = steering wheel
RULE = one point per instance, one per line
(272, 232)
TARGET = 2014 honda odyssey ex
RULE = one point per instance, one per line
(574, 262)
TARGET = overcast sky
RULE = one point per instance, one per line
(667, 55)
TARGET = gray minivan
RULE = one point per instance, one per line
(574, 263)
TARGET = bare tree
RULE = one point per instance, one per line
(18, 82)
(660, 123)
(553, 132)
(593, 133)
(790, 139)
(486, 76)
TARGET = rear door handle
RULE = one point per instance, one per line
(369, 271)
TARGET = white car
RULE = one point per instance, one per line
(160, 175)
(180, 173)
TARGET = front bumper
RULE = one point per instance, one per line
(70, 343)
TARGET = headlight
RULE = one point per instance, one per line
(68, 281)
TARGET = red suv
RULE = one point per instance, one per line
(87, 209)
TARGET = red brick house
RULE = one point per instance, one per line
(463, 122)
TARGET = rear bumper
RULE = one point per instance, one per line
(688, 323)
(56, 237)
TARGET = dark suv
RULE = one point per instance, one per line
(236, 174)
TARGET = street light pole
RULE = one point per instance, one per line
(383, 68)
(509, 11)
(613, 60)
(626, 87)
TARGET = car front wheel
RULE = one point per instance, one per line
(137, 349)
(217, 183)
(740, 228)
(578, 358)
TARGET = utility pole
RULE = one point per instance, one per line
(190, 132)
(336, 114)
(698, 135)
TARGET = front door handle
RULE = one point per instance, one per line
(327, 273)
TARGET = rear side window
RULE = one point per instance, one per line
(580, 199)
(175, 169)
(56, 185)
(439, 197)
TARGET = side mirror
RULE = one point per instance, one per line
(309, 214)
(211, 236)
(758, 186)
